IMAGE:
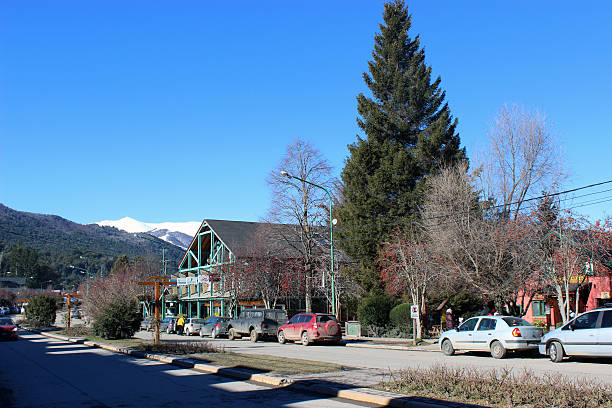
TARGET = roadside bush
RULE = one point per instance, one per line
(400, 316)
(119, 319)
(374, 311)
(40, 310)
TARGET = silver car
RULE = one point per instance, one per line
(588, 335)
(193, 325)
(496, 334)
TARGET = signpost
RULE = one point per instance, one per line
(69, 296)
(157, 281)
(414, 314)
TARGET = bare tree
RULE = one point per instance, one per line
(523, 157)
(573, 250)
(302, 205)
(474, 243)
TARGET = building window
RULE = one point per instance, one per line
(539, 308)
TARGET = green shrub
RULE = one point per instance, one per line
(40, 310)
(374, 310)
(400, 316)
(119, 319)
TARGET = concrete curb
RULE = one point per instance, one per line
(365, 395)
(391, 347)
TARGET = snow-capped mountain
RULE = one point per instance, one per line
(177, 233)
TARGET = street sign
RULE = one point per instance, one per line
(414, 311)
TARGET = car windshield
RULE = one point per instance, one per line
(515, 321)
(6, 322)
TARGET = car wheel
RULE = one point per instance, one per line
(281, 337)
(497, 350)
(168, 330)
(231, 334)
(254, 336)
(213, 334)
(447, 347)
(305, 339)
(201, 333)
(556, 352)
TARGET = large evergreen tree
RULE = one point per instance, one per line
(409, 133)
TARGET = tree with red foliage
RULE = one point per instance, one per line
(406, 268)
(572, 250)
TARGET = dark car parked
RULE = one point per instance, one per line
(147, 323)
(168, 324)
(256, 323)
(214, 327)
(310, 327)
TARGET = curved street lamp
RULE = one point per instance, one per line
(331, 235)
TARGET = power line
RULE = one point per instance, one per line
(495, 206)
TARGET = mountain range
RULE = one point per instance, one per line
(54, 234)
(176, 233)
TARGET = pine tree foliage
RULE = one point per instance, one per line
(410, 133)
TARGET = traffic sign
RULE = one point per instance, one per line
(414, 311)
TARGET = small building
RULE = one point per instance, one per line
(202, 286)
(592, 293)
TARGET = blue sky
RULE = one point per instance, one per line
(177, 111)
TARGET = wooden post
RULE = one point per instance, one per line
(156, 312)
(157, 282)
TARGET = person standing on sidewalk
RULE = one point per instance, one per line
(180, 324)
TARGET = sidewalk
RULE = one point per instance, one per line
(391, 343)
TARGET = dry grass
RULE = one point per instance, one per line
(269, 364)
(499, 388)
(195, 347)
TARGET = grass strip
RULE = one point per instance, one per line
(499, 388)
(210, 353)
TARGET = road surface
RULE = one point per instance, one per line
(45, 372)
(599, 370)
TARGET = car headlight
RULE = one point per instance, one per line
(14, 329)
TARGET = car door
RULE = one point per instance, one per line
(580, 335)
(291, 327)
(485, 332)
(463, 339)
(604, 335)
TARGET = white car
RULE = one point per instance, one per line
(193, 325)
(496, 334)
(588, 335)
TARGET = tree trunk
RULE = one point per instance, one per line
(308, 295)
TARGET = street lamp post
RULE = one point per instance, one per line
(86, 272)
(331, 236)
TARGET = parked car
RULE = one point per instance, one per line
(496, 334)
(256, 323)
(8, 330)
(147, 323)
(168, 324)
(214, 327)
(310, 327)
(587, 335)
(193, 325)
(4, 311)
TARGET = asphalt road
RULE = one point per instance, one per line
(599, 370)
(38, 371)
